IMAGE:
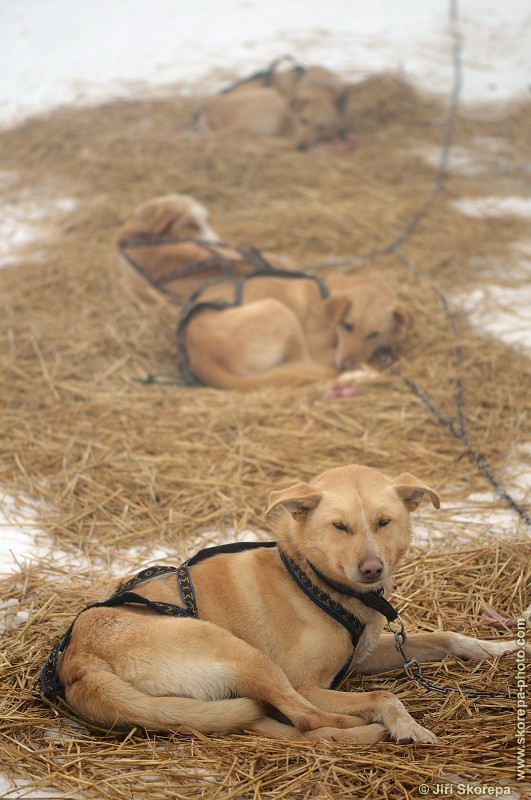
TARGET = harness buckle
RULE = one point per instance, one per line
(400, 636)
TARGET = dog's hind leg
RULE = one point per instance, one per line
(163, 673)
(105, 697)
(379, 706)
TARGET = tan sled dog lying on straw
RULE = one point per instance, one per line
(304, 107)
(284, 328)
(290, 330)
(244, 629)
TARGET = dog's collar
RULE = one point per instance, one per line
(374, 599)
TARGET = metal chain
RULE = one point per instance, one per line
(413, 670)
(456, 427)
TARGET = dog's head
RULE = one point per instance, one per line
(315, 116)
(177, 215)
(366, 316)
(351, 522)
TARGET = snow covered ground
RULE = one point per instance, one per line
(58, 52)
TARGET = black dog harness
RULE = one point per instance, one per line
(266, 75)
(194, 306)
(211, 267)
(52, 689)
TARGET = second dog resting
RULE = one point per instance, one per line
(265, 328)
(272, 625)
(289, 329)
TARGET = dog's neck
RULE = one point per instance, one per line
(371, 600)
(347, 595)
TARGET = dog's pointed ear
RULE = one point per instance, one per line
(411, 490)
(403, 317)
(298, 499)
(336, 307)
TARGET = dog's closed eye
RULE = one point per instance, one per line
(372, 335)
(348, 326)
(192, 227)
(383, 522)
(339, 526)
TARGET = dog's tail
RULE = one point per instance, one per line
(107, 699)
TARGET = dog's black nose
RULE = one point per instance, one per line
(371, 569)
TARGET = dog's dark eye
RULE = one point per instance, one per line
(340, 527)
(348, 326)
(372, 335)
(383, 522)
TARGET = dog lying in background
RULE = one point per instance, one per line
(286, 332)
(302, 105)
(261, 642)
(283, 331)
(259, 111)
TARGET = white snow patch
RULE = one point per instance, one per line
(500, 311)
(484, 154)
(23, 222)
(482, 514)
(494, 206)
(18, 529)
(21, 788)
(62, 52)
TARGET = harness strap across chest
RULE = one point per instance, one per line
(51, 687)
(351, 623)
(213, 265)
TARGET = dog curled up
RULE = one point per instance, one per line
(302, 106)
(257, 636)
(280, 330)
(289, 331)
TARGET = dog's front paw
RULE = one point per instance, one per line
(408, 731)
(466, 647)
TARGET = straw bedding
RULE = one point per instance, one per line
(115, 469)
